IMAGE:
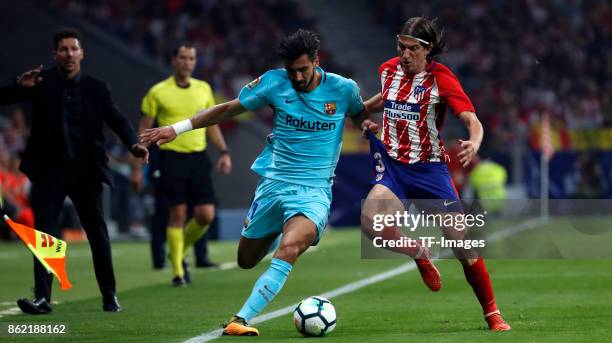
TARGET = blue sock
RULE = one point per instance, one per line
(265, 289)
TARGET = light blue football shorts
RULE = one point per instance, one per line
(277, 201)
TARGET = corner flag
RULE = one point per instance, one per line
(50, 251)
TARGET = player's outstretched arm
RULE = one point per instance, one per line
(372, 105)
(469, 148)
(210, 116)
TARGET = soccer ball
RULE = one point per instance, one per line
(315, 316)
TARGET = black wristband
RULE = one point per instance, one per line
(225, 151)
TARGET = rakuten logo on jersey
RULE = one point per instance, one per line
(402, 110)
(306, 125)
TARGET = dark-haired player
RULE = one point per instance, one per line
(411, 161)
(293, 195)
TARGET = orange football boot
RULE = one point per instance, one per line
(238, 327)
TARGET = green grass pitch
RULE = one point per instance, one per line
(551, 300)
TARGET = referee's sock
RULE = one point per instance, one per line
(176, 243)
(193, 232)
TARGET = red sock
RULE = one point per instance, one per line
(478, 277)
(394, 234)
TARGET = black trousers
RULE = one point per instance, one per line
(47, 198)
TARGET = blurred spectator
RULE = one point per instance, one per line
(590, 182)
(16, 132)
(236, 40)
(15, 189)
(489, 178)
(15, 185)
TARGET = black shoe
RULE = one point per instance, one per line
(207, 264)
(187, 273)
(111, 305)
(178, 282)
(34, 306)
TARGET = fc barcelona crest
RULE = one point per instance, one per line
(330, 108)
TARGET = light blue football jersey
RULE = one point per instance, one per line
(305, 143)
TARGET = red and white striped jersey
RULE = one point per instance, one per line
(414, 110)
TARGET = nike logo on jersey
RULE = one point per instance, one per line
(288, 101)
(449, 203)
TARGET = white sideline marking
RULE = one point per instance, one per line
(223, 266)
(348, 288)
(228, 265)
(7, 303)
(10, 312)
(353, 286)
(14, 310)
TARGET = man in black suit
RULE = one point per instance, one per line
(65, 156)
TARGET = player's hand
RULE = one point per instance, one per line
(369, 125)
(224, 164)
(158, 135)
(30, 78)
(469, 149)
(140, 151)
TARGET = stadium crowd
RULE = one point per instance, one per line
(236, 40)
(14, 185)
(517, 59)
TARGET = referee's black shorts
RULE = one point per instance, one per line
(185, 178)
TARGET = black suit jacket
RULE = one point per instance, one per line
(46, 152)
